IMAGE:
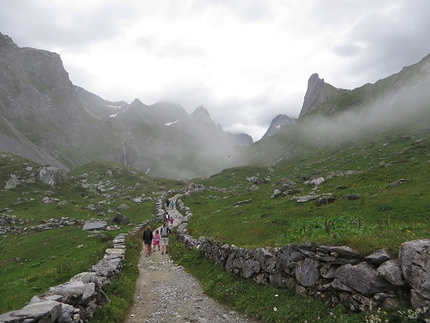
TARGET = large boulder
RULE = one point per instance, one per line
(53, 175)
(120, 219)
(415, 264)
(12, 182)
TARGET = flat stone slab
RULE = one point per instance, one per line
(95, 225)
(47, 311)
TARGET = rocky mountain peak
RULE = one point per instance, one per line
(201, 111)
(136, 102)
(314, 94)
(277, 123)
(202, 115)
(6, 41)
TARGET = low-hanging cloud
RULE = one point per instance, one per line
(399, 106)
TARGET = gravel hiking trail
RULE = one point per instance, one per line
(165, 293)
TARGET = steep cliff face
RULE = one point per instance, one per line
(314, 94)
(38, 102)
(319, 95)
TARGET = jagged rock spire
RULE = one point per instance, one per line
(314, 94)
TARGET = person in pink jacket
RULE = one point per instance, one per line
(156, 240)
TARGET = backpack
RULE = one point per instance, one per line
(164, 231)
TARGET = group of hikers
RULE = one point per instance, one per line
(157, 239)
(160, 237)
(170, 204)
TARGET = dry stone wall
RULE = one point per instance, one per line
(76, 300)
(332, 274)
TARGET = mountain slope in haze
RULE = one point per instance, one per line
(277, 123)
(331, 116)
(44, 117)
(164, 140)
(36, 102)
(401, 91)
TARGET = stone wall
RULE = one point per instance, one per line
(332, 274)
(76, 300)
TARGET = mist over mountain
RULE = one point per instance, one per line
(397, 100)
(331, 116)
(46, 118)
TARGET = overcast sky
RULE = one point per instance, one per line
(245, 61)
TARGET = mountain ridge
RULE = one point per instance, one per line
(42, 110)
(46, 118)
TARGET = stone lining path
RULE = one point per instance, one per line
(166, 293)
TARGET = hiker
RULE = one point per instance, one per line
(167, 217)
(147, 240)
(171, 220)
(164, 240)
(172, 205)
(167, 204)
(156, 240)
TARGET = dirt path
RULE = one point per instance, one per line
(166, 293)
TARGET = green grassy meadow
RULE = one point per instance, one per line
(383, 217)
(32, 262)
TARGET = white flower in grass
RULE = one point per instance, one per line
(275, 309)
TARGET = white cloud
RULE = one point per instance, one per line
(246, 61)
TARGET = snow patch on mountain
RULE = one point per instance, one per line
(170, 123)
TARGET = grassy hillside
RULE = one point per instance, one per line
(33, 261)
(374, 195)
(368, 168)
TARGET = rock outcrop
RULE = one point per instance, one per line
(52, 175)
(280, 121)
(314, 94)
